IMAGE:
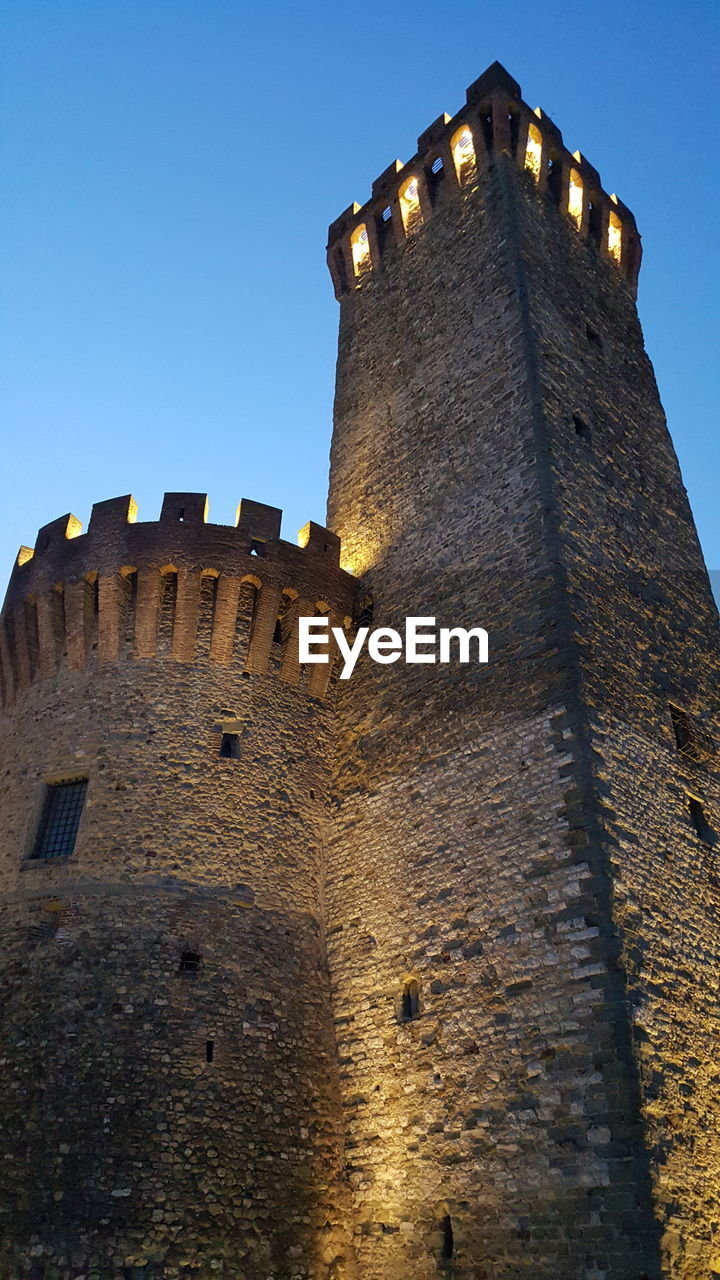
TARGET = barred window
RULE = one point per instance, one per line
(60, 819)
(692, 739)
(682, 728)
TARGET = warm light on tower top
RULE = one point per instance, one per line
(494, 121)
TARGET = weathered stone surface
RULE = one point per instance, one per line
(500, 458)
(124, 1147)
(487, 877)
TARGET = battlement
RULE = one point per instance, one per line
(454, 152)
(179, 587)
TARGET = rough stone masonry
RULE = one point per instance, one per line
(414, 974)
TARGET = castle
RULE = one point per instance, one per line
(413, 975)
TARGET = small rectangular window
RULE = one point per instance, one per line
(60, 819)
(410, 1002)
(698, 817)
(681, 727)
(230, 746)
(691, 739)
(683, 730)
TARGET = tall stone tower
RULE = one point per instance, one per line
(523, 906)
(169, 1104)
(413, 975)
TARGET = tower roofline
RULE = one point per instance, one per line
(114, 572)
(498, 121)
(494, 77)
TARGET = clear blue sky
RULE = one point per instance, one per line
(171, 167)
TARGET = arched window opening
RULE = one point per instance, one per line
(575, 198)
(409, 196)
(435, 174)
(230, 746)
(514, 124)
(486, 124)
(533, 152)
(245, 619)
(190, 961)
(614, 241)
(554, 179)
(283, 621)
(447, 1247)
(594, 221)
(383, 228)
(360, 251)
(207, 607)
(410, 1004)
(463, 154)
(128, 604)
(166, 615)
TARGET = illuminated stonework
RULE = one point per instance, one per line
(533, 151)
(575, 198)
(521, 846)
(463, 154)
(410, 210)
(614, 241)
(414, 974)
(360, 249)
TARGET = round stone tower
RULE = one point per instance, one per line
(169, 1104)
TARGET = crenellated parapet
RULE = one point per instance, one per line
(453, 153)
(179, 588)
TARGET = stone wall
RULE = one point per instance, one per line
(647, 632)
(491, 841)
(184, 1123)
(497, 863)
